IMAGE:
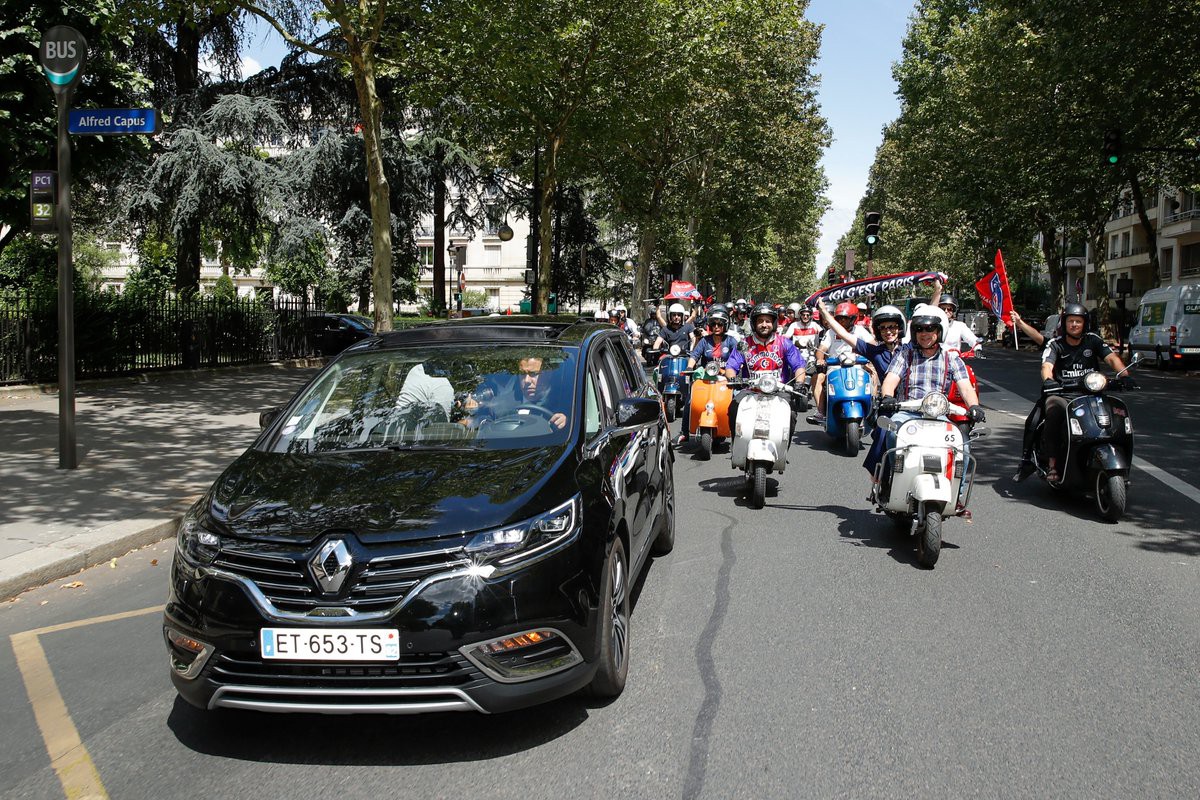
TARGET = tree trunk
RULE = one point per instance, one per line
(548, 186)
(363, 66)
(1139, 203)
(1053, 266)
(185, 69)
(437, 303)
(647, 241)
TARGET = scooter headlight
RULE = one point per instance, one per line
(676, 350)
(934, 405)
(768, 384)
(1095, 382)
(713, 369)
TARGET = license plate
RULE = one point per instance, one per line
(324, 644)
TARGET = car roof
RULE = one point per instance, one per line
(506, 329)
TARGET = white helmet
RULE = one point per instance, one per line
(601, 314)
(794, 308)
(886, 314)
(676, 308)
(620, 308)
(862, 308)
(925, 314)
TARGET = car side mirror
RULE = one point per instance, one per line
(634, 411)
(267, 416)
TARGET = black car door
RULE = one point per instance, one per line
(629, 470)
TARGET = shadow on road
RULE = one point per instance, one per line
(369, 740)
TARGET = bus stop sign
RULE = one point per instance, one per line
(62, 53)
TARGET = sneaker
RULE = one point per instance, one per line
(681, 439)
(815, 419)
(962, 511)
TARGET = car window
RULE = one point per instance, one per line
(591, 407)
(611, 390)
(623, 355)
(479, 395)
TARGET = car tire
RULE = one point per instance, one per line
(664, 542)
(613, 668)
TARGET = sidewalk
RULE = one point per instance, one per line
(146, 451)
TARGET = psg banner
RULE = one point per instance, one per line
(993, 288)
(866, 286)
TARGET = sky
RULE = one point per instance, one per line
(861, 40)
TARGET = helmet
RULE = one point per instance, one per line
(804, 309)
(741, 301)
(719, 314)
(600, 314)
(846, 310)
(794, 308)
(764, 308)
(948, 300)
(620, 309)
(862, 308)
(926, 314)
(1076, 310)
(718, 307)
(676, 308)
(886, 314)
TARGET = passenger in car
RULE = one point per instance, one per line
(425, 397)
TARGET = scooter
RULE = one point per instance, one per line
(1099, 443)
(848, 401)
(762, 433)
(709, 419)
(925, 472)
(673, 380)
(955, 396)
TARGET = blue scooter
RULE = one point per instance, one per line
(848, 401)
(673, 380)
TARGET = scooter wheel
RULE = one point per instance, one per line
(1111, 496)
(671, 408)
(706, 445)
(853, 438)
(758, 486)
(929, 545)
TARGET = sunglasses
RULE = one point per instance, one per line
(887, 328)
(924, 329)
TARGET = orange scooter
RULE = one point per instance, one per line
(711, 395)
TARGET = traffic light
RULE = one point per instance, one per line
(873, 219)
(1112, 145)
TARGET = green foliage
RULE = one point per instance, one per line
(154, 275)
(224, 288)
(474, 298)
(31, 262)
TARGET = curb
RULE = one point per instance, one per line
(43, 565)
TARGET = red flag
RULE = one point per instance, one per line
(993, 288)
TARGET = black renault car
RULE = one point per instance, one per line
(447, 518)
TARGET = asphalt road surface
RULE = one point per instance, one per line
(793, 651)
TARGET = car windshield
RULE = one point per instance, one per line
(483, 396)
(361, 323)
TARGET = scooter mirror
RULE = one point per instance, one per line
(885, 423)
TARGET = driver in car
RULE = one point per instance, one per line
(532, 387)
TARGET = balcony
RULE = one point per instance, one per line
(1128, 258)
(1182, 223)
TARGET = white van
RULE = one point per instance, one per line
(1168, 325)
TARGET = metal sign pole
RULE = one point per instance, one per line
(62, 53)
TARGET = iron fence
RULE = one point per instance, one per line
(119, 334)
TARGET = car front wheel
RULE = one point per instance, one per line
(614, 621)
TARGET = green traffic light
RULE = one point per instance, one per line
(1113, 159)
(871, 240)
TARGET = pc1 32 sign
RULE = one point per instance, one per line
(62, 52)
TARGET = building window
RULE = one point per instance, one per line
(1189, 259)
(493, 215)
(494, 298)
(1112, 246)
(1166, 263)
(1125, 244)
(491, 255)
(425, 256)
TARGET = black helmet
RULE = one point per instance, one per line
(948, 300)
(764, 308)
(1075, 310)
(719, 314)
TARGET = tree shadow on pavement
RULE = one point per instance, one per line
(142, 447)
(371, 740)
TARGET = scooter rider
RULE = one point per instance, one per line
(765, 351)
(1069, 357)
(887, 323)
(919, 368)
(959, 337)
(716, 345)
(676, 331)
(626, 323)
(832, 347)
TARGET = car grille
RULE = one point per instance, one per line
(375, 586)
(412, 671)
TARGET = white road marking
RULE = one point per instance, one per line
(1181, 486)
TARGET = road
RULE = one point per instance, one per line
(794, 651)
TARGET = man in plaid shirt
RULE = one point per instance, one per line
(919, 368)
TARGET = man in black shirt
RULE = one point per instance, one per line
(1068, 358)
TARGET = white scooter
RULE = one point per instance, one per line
(929, 464)
(762, 433)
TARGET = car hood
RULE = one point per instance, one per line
(384, 496)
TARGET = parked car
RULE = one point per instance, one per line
(450, 518)
(331, 333)
(1167, 325)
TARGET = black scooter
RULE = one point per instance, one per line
(1099, 442)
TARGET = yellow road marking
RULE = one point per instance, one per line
(68, 755)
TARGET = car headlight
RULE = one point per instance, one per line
(197, 545)
(1095, 382)
(934, 405)
(527, 540)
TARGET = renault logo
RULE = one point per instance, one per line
(331, 565)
